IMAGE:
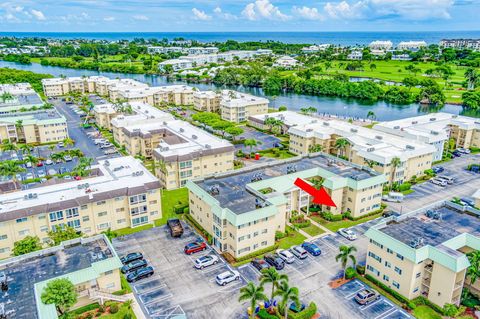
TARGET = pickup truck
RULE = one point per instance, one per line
(176, 228)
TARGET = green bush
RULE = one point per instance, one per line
(307, 313)
(279, 235)
(263, 314)
(101, 308)
(424, 301)
(127, 316)
(114, 308)
(331, 217)
(474, 149)
(179, 208)
(411, 305)
(392, 292)
(360, 269)
(257, 253)
(86, 308)
(350, 272)
(186, 210)
(404, 187)
(200, 228)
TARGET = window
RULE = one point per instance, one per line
(44, 229)
(40, 217)
(154, 213)
(255, 234)
(71, 212)
(138, 199)
(418, 275)
(241, 238)
(415, 290)
(21, 220)
(83, 207)
(103, 226)
(118, 198)
(399, 256)
(377, 258)
(187, 164)
(243, 250)
(85, 218)
(121, 221)
(109, 272)
(4, 250)
(388, 264)
(264, 231)
(370, 268)
(3, 237)
(389, 251)
(74, 223)
(386, 278)
(101, 214)
(264, 243)
(24, 232)
(396, 284)
(376, 244)
(101, 202)
(121, 209)
(139, 220)
(398, 270)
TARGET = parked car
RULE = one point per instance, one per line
(293, 307)
(48, 162)
(29, 165)
(260, 264)
(464, 150)
(286, 255)
(134, 265)
(394, 197)
(347, 233)
(227, 277)
(439, 182)
(40, 164)
(206, 261)
(312, 248)
(299, 252)
(390, 213)
(29, 176)
(140, 274)
(131, 257)
(99, 141)
(60, 145)
(366, 296)
(448, 179)
(456, 153)
(194, 247)
(437, 169)
(52, 172)
(106, 145)
(275, 261)
(41, 174)
(67, 177)
(67, 158)
(468, 201)
(109, 151)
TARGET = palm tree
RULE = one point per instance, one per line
(370, 163)
(6, 96)
(251, 143)
(11, 169)
(68, 142)
(86, 162)
(346, 253)
(272, 276)
(287, 294)
(7, 145)
(341, 144)
(19, 129)
(472, 78)
(25, 148)
(75, 153)
(473, 271)
(315, 148)
(253, 294)
(371, 115)
(56, 156)
(30, 158)
(395, 163)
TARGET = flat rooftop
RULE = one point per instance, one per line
(25, 271)
(17, 89)
(289, 118)
(433, 232)
(32, 117)
(121, 176)
(232, 187)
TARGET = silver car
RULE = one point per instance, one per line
(227, 277)
(347, 233)
(299, 252)
(286, 255)
(206, 261)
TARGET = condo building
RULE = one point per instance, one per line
(411, 45)
(90, 264)
(473, 44)
(207, 101)
(119, 193)
(237, 106)
(381, 45)
(436, 129)
(286, 62)
(364, 146)
(423, 253)
(288, 119)
(19, 97)
(243, 209)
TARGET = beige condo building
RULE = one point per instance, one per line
(120, 193)
(423, 253)
(237, 107)
(207, 101)
(243, 209)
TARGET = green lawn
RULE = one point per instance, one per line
(128, 230)
(334, 226)
(82, 312)
(170, 198)
(294, 238)
(313, 230)
(280, 154)
(425, 312)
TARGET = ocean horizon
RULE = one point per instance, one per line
(349, 38)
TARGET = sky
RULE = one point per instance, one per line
(237, 15)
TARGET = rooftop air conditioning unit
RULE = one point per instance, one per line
(182, 130)
(309, 130)
(326, 124)
(396, 127)
(410, 147)
(434, 132)
(378, 137)
(433, 119)
(370, 149)
(353, 130)
(414, 122)
(194, 137)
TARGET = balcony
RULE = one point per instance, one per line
(458, 284)
(428, 268)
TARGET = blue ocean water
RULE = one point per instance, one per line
(338, 38)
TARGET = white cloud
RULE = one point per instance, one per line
(374, 9)
(200, 15)
(224, 15)
(217, 10)
(263, 9)
(140, 17)
(308, 13)
(38, 14)
(109, 19)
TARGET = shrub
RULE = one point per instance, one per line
(392, 292)
(101, 308)
(347, 215)
(452, 310)
(257, 253)
(186, 210)
(424, 301)
(350, 272)
(411, 305)
(263, 314)
(279, 235)
(360, 269)
(404, 187)
(114, 308)
(307, 313)
(127, 316)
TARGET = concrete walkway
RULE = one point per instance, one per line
(137, 310)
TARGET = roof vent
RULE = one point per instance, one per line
(182, 130)
(379, 137)
(194, 137)
(31, 196)
(208, 146)
(326, 124)
(414, 122)
(432, 119)
(396, 127)
(410, 147)
(353, 130)
(309, 130)
(371, 149)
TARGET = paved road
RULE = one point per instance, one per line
(426, 193)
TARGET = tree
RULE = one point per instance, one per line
(60, 292)
(221, 125)
(7, 145)
(253, 294)
(395, 163)
(373, 66)
(370, 163)
(6, 96)
(234, 131)
(473, 271)
(282, 108)
(315, 148)
(472, 78)
(60, 235)
(68, 142)
(11, 169)
(25, 148)
(272, 276)
(251, 143)
(371, 115)
(346, 253)
(287, 294)
(26, 245)
(341, 144)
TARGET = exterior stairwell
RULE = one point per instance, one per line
(102, 295)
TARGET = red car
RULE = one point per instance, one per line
(39, 164)
(195, 247)
(77, 178)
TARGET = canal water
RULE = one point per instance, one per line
(328, 105)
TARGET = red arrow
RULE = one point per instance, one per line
(320, 196)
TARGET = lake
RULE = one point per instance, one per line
(335, 106)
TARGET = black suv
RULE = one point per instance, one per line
(275, 261)
(140, 274)
(131, 257)
(134, 265)
(260, 264)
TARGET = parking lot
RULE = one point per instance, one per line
(178, 288)
(267, 141)
(465, 184)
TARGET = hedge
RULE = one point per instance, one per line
(263, 314)
(307, 313)
(257, 253)
(392, 292)
(200, 228)
(424, 301)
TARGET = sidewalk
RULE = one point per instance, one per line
(136, 307)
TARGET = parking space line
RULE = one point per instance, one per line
(145, 282)
(353, 294)
(156, 299)
(211, 268)
(371, 304)
(387, 313)
(295, 269)
(327, 243)
(151, 289)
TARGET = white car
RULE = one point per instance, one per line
(41, 174)
(227, 277)
(67, 158)
(67, 177)
(206, 261)
(29, 176)
(286, 255)
(99, 141)
(48, 162)
(28, 164)
(464, 150)
(347, 233)
(439, 182)
(106, 145)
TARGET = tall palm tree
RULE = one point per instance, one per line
(472, 78)
(395, 163)
(30, 158)
(19, 129)
(56, 156)
(370, 163)
(11, 169)
(315, 148)
(341, 144)
(346, 253)
(253, 294)
(251, 143)
(287, 294)
(86, 162)
(75, 153)
(25, 148)
(6, 96)
(7, 145)
(271, 276)
(68, 142)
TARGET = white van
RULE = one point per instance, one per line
(448, 179)
(393, 197)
